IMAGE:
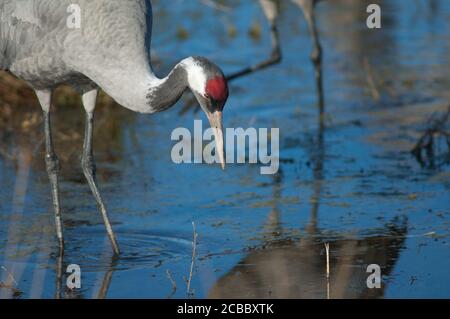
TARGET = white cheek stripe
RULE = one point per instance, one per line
(196, 75)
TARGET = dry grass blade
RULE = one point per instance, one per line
(327, 251)
(194, 253)
(173, 282)
(371, 80)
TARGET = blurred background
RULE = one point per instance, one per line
(349, 180)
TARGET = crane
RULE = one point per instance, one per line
(110, 50)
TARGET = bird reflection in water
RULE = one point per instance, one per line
(101, 288)
(286, 267)
(290, 268)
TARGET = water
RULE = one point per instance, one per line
(352, 184)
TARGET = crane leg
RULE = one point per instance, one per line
(316, 56)
(52, 162)
(88, 164)
(271, 12)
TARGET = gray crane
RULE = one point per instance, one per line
(109, 49)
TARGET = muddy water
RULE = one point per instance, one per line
(351, 183)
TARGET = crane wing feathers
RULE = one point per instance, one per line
(20, 23)
(38, 45)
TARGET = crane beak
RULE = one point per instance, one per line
(215, 119)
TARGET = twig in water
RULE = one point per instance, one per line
(327, 251)
(215, 5)
(173, 282)
(371, 81)
(194, 252)
(426, 141)
(11, 277)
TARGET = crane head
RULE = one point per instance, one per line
(210, 88)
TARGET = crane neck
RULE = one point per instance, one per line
(164, 93)
(137, 88)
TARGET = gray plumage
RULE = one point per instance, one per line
(38, 46)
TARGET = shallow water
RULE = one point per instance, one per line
(352, 184)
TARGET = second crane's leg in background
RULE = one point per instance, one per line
(316, 56)
(52, 162)
(88, 164)
(271, 12)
